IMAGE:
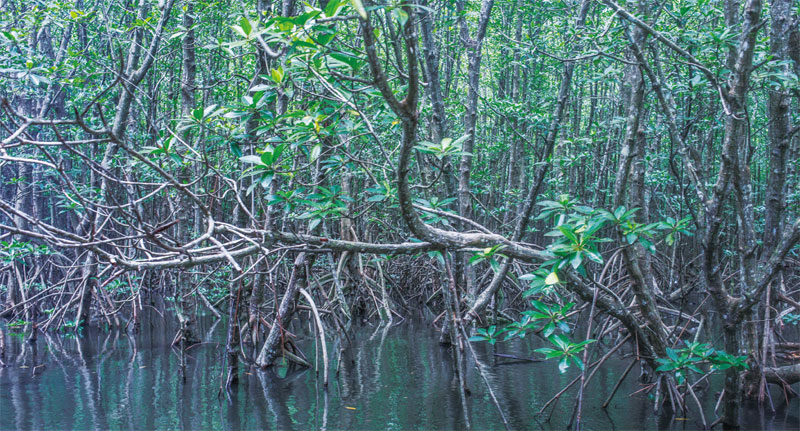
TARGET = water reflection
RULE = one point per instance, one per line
(389, 378)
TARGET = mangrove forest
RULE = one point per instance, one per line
(399, 214)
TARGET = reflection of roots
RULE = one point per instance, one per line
(185, 338)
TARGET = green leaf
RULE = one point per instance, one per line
(325, 38)
(560, 341)
(563, 364)
(235, 149)
(401, 15)
(649, 246)
(244, 23)
(266, 178)
(302, 19)
(578, 362)
(276, 153)
(266, 158)
(251, 159)
(277, 75)
(594, 257)
(354, 62)
(359, 7)
(315, 152)
(672, 354)
(548, 329)
(332, 7)
(576, 260)
(569, 234)
(665, 367)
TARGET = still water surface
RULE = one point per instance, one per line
(395, 378)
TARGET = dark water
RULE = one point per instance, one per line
(396, 378)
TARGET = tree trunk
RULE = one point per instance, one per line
(187, 299)
(274, 343)
(473, 46)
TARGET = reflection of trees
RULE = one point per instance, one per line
(277, 393)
